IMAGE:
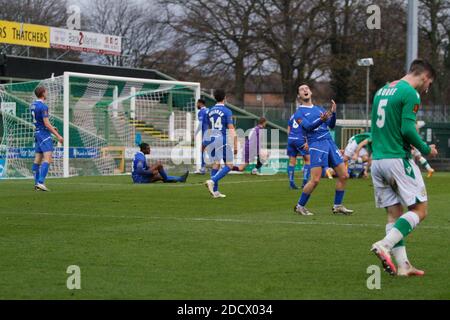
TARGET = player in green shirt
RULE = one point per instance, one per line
(396, 178)
(358, 150)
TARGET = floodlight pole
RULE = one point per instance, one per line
(367, 97)
(367, 63)
(413, 32)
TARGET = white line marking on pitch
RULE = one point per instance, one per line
(174, 185)
(226, 220)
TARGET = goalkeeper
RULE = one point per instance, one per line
(143, 173)
(252, 148)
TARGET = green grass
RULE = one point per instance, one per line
(173, 241)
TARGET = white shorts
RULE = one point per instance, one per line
(397, 181)
(351, 148)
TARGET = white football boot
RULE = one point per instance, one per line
(302, 211)
(41, 187)
(210, 185)
(409, 271)
(217, 195)
(383, 253)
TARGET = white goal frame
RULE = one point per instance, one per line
(66, 110)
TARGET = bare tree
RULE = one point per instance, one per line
(42, 12)
(345, 28)
(294, 35)
(138, 23)
(435, 27)
(222, 36)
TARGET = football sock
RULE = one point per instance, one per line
(338, 197)
(203, 161)
(167, 178)
(306, 173)
(402, 228)
(213, 173)
(291, 171)
(258, 165)
(35, 170)
(399, 250)
(303, 199)
(221, 174)
(43, 172)
(324, 172)
(425, 163)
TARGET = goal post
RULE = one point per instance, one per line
(99, 115)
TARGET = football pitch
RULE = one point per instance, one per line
(173, 241)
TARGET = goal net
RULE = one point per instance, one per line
(102, 120)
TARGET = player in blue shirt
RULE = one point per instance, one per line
(297, 145)
(315, 122)
(42, 138)
(218, 142)
(202, 128)
(142, 173)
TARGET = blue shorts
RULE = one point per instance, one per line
(216, 153)
(324, 154)
(295, 148)
(43, 143)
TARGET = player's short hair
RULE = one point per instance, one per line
(39, 91)
(201, 101)
(262, 120)
(219, 95)
(143, 146)
(420, 66)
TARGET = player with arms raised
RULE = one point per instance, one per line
(396, 178)
(42, 138)
(316, 122)
(221, 131)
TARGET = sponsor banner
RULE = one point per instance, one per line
(158, 153)
(85, 41)
(74, 153)
(8, 107)
(24, 34)
(2, 168)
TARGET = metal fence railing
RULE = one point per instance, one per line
(427, 113)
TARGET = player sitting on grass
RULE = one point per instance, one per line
(42, 138)
(142, 173)
(252, 148)
(217, 142)
(322, 149)
(396, 178)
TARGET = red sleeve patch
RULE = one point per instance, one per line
(416, 108)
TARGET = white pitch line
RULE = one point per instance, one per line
(172, 185)
(226, 220)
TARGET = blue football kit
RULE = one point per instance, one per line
(42, 136)
(322, 149)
